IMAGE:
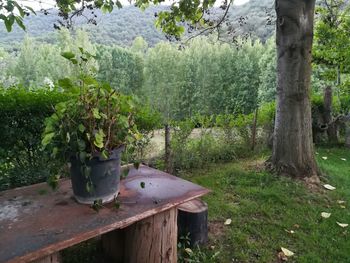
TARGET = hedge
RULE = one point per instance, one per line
(22, 116)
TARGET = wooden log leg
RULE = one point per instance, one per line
(53, 258)
(113, 245)
(153, 240)
(193, 221)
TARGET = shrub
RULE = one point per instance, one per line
(22, 116)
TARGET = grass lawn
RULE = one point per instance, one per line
(265, 209)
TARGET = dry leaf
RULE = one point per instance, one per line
(342, 224)
(324, 157)
(329, 187)
(343, 159)
(296, 226)
(289, 231)
(189, 251)
(325, 215)
(342, 206)
(228, 222)
(287, 252)
(341, 202)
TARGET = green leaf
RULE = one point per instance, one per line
(19, 22)
(74, 61)
(30, 9)
(19, 8)
(68, 55)
(97, 205)
(99, 139)
(65, 83)
(104, 9)
(81, 145)
(52, 181)
(124, 173)
(137, 164)
(67, 137)
(47, 138)
(89, 187)
(96, 113)
(81, 128)
(105, 154)
(9, 22)
(116, 204)
(82, 157)
(118, 4)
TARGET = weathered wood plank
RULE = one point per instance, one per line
(54, 258)
(36, 222)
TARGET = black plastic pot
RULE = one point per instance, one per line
(97, 179)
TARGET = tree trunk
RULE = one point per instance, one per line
(192, 220)
(347, 135)
(153, 240)
(293, 152)
(332, 130)
(167, 148)
(347, 131)
(254, 128)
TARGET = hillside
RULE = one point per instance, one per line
(123, 25)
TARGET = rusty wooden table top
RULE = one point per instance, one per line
(36, 221)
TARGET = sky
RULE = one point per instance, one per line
(46, 4)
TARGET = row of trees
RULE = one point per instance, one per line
(204, 77)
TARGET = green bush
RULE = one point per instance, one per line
(22, 116)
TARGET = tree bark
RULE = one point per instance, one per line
(153, 240)
(347, 135)
(254, 128)
(347, 131)
(332, 130)
(167, 148)
(293, 151)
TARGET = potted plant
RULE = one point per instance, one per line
(90, 131)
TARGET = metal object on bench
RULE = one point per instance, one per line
(36, 223)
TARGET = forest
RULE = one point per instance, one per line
(121, 27)
(201, 108)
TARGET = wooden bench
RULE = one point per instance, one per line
(36, 223)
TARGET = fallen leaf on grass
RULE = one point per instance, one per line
(287, 252)
(342, 224)
(289, 231)
(343, 159)
(329, 187)
(324, 157)
(228, 222)
(325, 215)
(342, 206)
(341, 202)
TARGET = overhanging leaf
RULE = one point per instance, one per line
(68, 55)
